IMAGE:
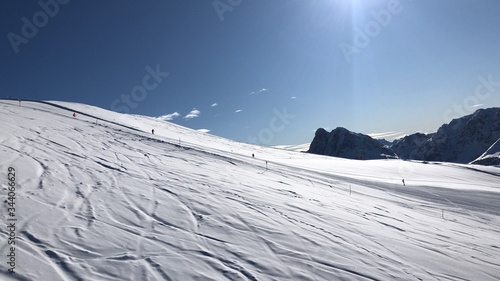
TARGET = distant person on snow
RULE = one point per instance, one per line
(404, 182)
(74, 114)
(253, 156)
(153, 131)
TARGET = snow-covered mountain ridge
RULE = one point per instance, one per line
(463, 140)
(100, 198)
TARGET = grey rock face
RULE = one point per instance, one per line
(406, 146)
(346, 144)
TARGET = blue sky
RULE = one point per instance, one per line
(267, 72)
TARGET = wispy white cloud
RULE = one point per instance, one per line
(193, 114)
(203, 130)
(259, 91)
(294, 97)
(238, 110)
(214, 104)
(169, 117)
(401, 135)
(478, 105)
(387, 135)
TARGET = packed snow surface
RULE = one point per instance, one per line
(100, 198)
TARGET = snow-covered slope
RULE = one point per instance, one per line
(490, 157)
(100, 198)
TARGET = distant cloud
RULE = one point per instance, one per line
(400, 136)
(259, 91)
(169, 117)
(203, 130)
(238, 110)
(293, 97)
(389, 135)
(214, 104)
(478, 105)
(193, 114)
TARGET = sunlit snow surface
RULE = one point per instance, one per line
(111, 201)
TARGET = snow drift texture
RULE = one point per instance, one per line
(100, 198)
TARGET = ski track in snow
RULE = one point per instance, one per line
(110, 201)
